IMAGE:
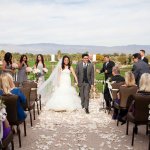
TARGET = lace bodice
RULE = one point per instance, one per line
(65, 79)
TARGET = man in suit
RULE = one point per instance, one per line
(107, 67)
(142, 53)
(85, 75)
(139, 67)
(107, 70)
(116, 75)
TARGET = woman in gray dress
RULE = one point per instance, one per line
(22, 75)
(39, 64)
(7, 64)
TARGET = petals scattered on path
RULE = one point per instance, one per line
(79, 131)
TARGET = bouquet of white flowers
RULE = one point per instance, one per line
(45, 70)
(14, 65)
(28, 69)
(36, 71)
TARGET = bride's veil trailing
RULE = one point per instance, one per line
(48, 87)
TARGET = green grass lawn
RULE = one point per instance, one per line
(50, 67)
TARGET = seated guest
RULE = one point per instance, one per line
(7, 87)
(144, 89)
(5, 127)
(144, 86)
(129, 82)
(129, 79)
(116, 75)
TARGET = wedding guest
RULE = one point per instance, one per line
(144, 86)
(7, 87)
(129, 82)
(23, 64)
(40, 64)
(4, 126)
(142, 53)
(107, 70)
(107, 67)
(129, 79)
(116, 75)
(6, 129)
(144, 89)
(7, 64)
(139, 67)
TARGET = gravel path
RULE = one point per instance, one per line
(79, 131)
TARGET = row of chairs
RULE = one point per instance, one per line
(127, 95)
(29, 89)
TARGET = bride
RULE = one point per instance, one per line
(57, 92)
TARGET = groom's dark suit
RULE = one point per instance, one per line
(85, 75)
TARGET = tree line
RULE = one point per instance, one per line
(124, 59)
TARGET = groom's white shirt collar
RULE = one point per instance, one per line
(85, 64)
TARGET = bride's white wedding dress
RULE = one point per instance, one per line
(65, 96)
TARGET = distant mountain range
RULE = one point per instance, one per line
(50, 48)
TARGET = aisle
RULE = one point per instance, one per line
(79, 131)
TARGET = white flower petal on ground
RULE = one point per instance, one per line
(73, 130)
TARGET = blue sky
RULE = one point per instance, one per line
(76, 22)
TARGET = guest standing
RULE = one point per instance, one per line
(39, 64)
(22, 74)
(142, 53)
(107, 70)
(107, 67)
(139, 67)
(7, 64)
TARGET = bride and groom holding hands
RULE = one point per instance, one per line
(57, 92)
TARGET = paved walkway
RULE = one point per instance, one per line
(79, 131)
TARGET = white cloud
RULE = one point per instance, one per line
(91, 22)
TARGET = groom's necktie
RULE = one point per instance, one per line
(85, 78)
(85, 65)
(106, 64)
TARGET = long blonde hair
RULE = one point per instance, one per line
(129, 79)
(6, 83)
(145, 82)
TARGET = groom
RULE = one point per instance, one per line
(85, 75)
